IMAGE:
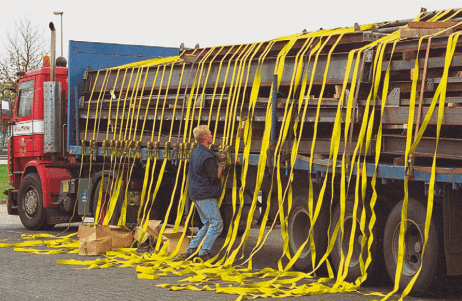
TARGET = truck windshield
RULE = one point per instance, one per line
(26, 95)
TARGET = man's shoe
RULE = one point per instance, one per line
(205, 256)
(189, 253)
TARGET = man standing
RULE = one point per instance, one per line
(205, 189)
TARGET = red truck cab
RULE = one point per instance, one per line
(29, 121)
(33, 160)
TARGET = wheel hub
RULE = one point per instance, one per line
(413, 241)
(31, 202)
(300, 230)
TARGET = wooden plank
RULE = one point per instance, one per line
(415, 33)
(423, 24)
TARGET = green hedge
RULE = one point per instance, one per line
(3, 180)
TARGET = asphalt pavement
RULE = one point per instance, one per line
(27, 276)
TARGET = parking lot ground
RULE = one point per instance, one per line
(27, 276)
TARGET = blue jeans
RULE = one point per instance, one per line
(213, 225)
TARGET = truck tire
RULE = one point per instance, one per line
(354, 268)
(30, 203)
(413, 240)
(299, 228)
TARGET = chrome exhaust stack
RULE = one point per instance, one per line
(53, 53)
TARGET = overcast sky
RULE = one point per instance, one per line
(209, 23)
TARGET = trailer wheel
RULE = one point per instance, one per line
(30, 203)
(299, 229)
(354, 268)
(413, 240)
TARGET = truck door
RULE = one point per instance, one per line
(25, 125)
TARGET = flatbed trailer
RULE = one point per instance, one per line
(317, 65)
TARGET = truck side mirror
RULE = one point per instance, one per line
(6, 108)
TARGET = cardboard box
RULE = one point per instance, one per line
(122, 237)
(94, 240)
(173, 239)
(137, 235)
(153, 229)
(180, 229)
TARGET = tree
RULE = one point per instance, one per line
(24, 48)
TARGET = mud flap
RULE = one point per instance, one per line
(12, 204)
(452, 209)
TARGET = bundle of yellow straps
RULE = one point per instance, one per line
(221, 274)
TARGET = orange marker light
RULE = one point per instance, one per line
(46, 61)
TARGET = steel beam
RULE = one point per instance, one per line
(218, 76)
(447, 148)
(399, 115)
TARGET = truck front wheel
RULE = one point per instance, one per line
(30, 203)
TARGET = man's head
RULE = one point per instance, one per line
(203, 135)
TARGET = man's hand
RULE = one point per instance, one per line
(222, 159)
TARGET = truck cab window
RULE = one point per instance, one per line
(26, 95)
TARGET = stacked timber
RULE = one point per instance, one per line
(317, 73)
